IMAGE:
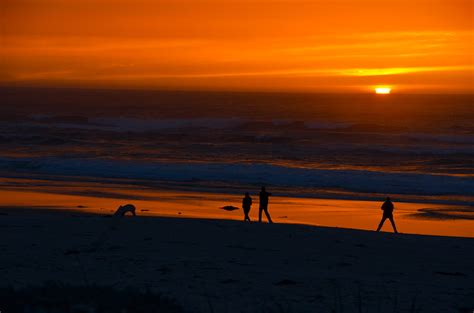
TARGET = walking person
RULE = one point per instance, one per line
(264, 205)
(387, 208)
(246, 204)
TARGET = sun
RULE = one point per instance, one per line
(383, 90)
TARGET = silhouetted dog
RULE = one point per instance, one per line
(123, 209)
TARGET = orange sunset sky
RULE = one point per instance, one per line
(295, 45)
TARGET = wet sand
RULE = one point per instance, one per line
(100, 198)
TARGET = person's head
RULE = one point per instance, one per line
(247, 194)
(388, 199)
(263, 188)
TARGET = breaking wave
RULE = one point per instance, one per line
(246, 174)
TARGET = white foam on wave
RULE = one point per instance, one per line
(326, 125)
(448, 138)
(132, 124)
(248, 174)
(140, 125)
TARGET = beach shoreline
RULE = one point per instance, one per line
(104, 198)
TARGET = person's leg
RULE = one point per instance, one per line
(393, 224)
(260, 214)
(247, 218)
(268, 215)
(381, 222)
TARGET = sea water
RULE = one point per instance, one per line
(364, 147)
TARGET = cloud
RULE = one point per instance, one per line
(240, 45)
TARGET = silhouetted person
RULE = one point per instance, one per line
(387, 208)
(246, 204)
(264, 205)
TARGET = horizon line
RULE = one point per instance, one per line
(225, 90)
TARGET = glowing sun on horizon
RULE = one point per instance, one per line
(383, 90)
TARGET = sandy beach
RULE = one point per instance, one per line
(231, 266)
(413, 216)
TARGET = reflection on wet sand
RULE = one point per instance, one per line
(416, 218)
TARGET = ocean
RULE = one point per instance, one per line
(417, 148)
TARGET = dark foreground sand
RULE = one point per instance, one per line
(229, 266)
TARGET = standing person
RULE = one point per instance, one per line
(246, 204)
(264, 205)
(387, 208)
